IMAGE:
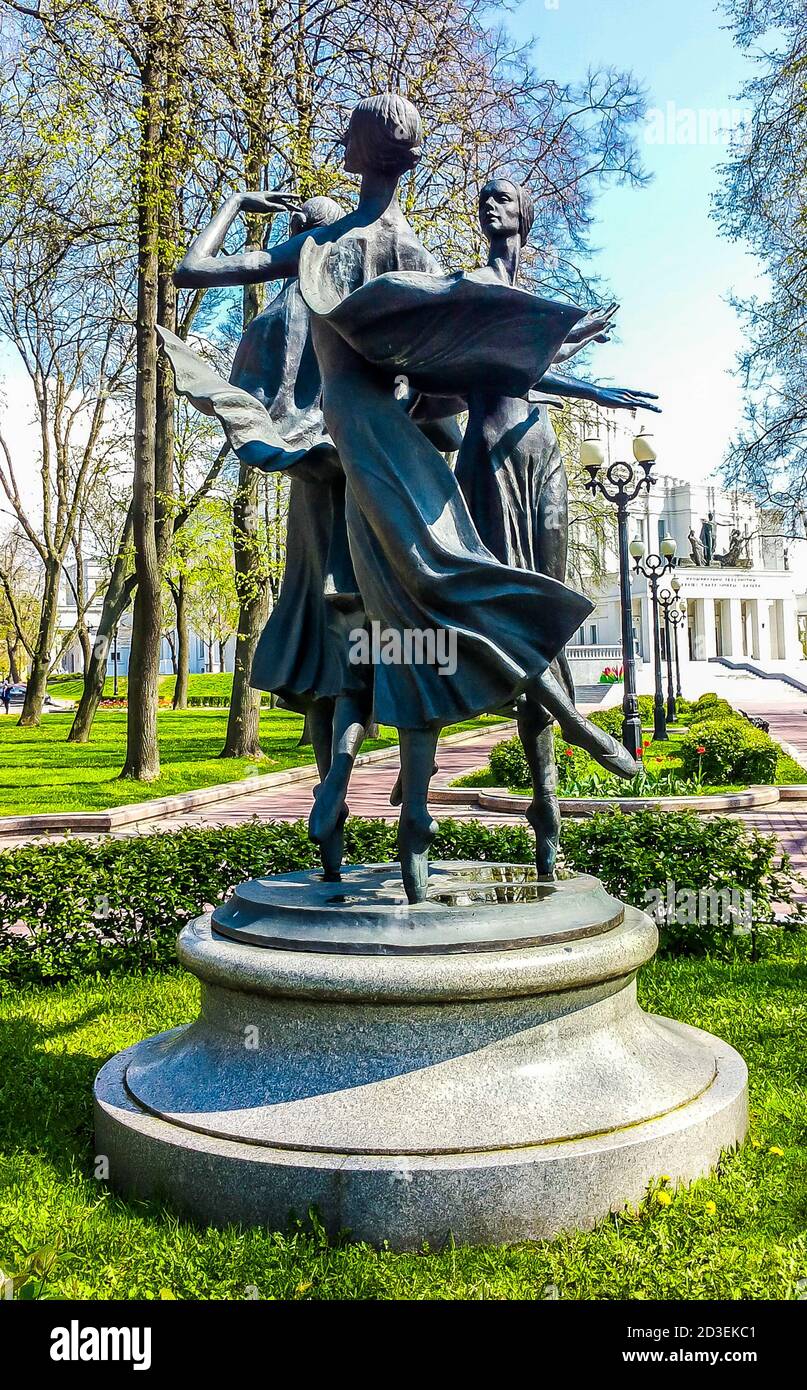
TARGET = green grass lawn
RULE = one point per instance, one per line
(40, 771)
(217, 683)
(737, 1235)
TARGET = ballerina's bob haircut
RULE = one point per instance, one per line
(385, 135)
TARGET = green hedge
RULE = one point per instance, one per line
(510, 768)
(733, 751)
(83, 908)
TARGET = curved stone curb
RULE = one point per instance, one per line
(499, 799)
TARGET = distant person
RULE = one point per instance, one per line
(5, 694)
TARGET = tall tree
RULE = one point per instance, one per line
(763, 201)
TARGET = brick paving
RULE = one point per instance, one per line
(370, 788)
(788, 819)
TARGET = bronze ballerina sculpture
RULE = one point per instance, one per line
(380, 307)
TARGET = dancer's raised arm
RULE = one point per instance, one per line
(613, 397)
(203, 268)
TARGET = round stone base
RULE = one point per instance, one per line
(497, 1197)
(502, 1088)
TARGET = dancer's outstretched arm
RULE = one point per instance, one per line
(614, 397)
(203, 268)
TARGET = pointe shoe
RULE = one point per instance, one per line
(415, 835)
(396, 795)
(328, 808)
(332, 847)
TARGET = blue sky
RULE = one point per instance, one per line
(659, 250)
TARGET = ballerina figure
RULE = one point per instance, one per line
(302, 655)
(512, 475)
(380, 308)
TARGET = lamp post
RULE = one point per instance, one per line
(666, 602)
(654, 567)
(621, 486)
(674, 610)
(678, 617)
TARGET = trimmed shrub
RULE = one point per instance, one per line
(660, 863)
(509, 766)
(646, 710)
(733, 751)
(609, 719)
(508, 763)
(81, 909)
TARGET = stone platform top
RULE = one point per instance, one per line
(470, 907)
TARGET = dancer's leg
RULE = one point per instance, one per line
(535, 732)
(416, 829)
(546, 690)
(349, 719)
(396, 795)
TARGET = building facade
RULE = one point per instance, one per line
(749, 604)
(206, 653)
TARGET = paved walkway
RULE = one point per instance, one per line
(369, 792)
(788, 819)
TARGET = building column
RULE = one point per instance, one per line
(761, 620)
(793, 650)
(735, 628)
(707, 639)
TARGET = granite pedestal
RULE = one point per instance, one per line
(475, 1066)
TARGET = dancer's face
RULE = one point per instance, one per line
(499, 211)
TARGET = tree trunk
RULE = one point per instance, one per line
(243, 721)
(13, 668)
(142, 752)
(180, 596)
(37, 686)
(117, 598)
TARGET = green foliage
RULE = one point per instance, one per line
(646, 710)
(638, 855)
(733, 751)
(80, 909)
(608, 719)
(508, 763)
(509, 766)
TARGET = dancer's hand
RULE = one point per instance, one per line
(267, 200)
(594, 326)
(620, 398)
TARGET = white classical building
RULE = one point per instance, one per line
(751, 608)
(205, 653)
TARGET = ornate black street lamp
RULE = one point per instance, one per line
(621, 486)
(666, 601)
(654, 568)
(674, 610)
